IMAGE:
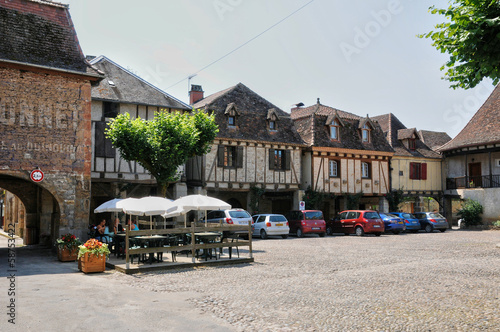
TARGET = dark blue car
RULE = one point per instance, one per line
(411, 222)
(393, 223)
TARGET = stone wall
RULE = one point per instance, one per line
(45, 124)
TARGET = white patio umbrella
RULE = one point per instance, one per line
(114, 205)
(174, 212)
(149, 206)
(200, 203)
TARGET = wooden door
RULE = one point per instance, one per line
(475, 179)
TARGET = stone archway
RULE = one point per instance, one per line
(40, 220)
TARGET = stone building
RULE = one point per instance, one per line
(45, 123)
(416, 168)
(120, 92)
(472, 160)
(255, 161)
(347, 156)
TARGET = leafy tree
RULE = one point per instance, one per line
(164, 143)
(395, 198)
(471, 38)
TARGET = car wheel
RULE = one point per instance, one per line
(395, 232)
(329, 230)
(263, 234)
(300, 233)
(360, 231)
(321, 234)
(428, 228)
(443, 230)
(284, 236)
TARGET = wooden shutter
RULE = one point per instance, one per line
(103, 146)
(423, 171)
(288, 160)
(239, 156)
(271, 158)
(412, 171)
(220, 156)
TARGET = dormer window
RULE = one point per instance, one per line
(412, 144)
(272, 119)
(231, 114)
(365, 133)
(334, 130)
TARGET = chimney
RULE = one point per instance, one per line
(196, 94)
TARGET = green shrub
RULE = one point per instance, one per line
(496, 223)
(471, 212)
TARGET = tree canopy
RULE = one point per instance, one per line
(471, 38)
(164, 143)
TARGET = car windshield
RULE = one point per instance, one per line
(277, 218)
(435, 215)
(409, 216)
(371, 215)
(314, 215)
(239, 214)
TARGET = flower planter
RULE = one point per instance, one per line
(67, 255)
(92, 263)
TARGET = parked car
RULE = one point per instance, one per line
(307, 222)
(392, 223)
(232, 217)
(270, 224)
(430, 221)
(357, 222)
(411, 222)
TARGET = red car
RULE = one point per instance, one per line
(356, 222)
(307, 222)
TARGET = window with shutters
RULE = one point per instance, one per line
(412, 144)
(230, 156)
(418, 171)
(103, 146)
(279, 160)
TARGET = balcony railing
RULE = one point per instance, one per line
(485, 181)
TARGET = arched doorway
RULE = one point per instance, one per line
(30, 211)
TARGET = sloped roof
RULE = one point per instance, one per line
(483, 128)
(311, 123)
(121, 85)
(434, 139)
(396, 132)
(39, 32)
(252, 117)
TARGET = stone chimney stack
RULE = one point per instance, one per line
(196, 94)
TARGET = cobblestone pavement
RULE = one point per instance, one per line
(410, 282)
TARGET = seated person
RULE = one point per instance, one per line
(133, 225)
(107, 236)
(101, 227)
(118, 227)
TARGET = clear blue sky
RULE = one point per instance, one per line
(359, 56)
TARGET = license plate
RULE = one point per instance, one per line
(316, 228)
(279, 224)
(376, 226)
(400, 222)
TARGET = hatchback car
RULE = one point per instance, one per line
(411, 222)
(357, 222)
(392, 223)
(430, 221)
(232, 217)
(307, 222)
(270, 224)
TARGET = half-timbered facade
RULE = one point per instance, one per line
(257, 152)
(416, 167)
(346, 155)
(121, 92)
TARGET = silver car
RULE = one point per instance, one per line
(270, 224)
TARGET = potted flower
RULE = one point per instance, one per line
(67, 247)
(92, 256)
